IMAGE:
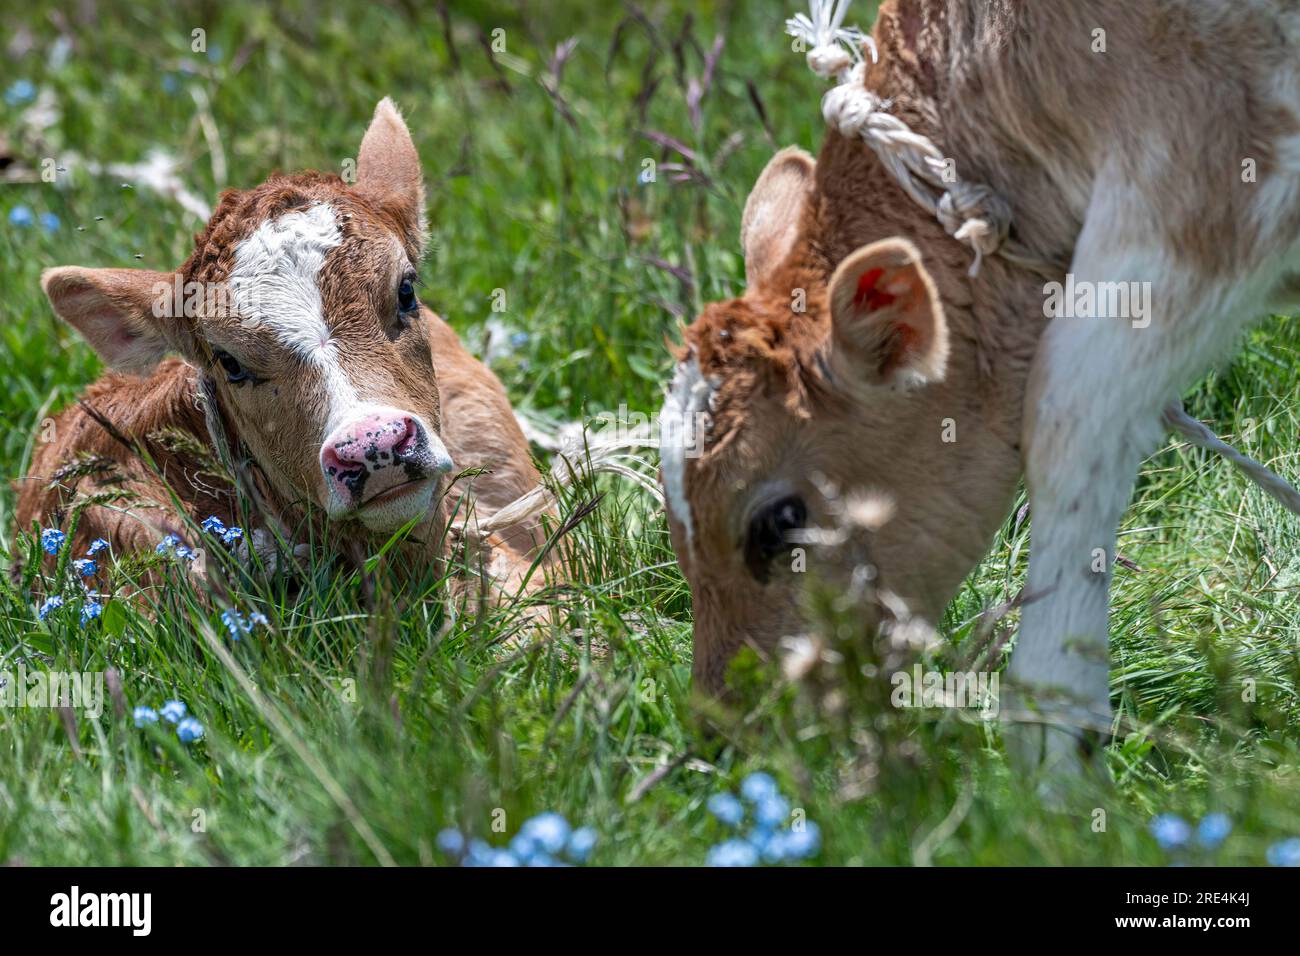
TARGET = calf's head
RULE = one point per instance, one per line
(826, 387)
(299, 301)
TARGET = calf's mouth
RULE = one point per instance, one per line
(397, 491)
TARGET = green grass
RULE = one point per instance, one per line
(365, 722)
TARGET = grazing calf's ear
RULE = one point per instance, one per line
(388, 167)
(887, 322)
(120, 312)
(770, 224)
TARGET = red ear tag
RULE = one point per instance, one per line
(868, 296)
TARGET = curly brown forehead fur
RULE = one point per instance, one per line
(240, 212)
(750, 349)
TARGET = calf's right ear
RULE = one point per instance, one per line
(116, 310)
(770, 224)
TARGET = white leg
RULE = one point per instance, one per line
(1084, 444)
(1092, 412)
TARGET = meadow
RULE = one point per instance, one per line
(588, 173)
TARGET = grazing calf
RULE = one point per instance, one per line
(304, 355)
(1154, 146)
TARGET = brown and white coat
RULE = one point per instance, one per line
(303, 350)
(1121, 162)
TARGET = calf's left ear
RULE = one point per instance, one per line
(122, 313)
(388, 168)
(887, 323)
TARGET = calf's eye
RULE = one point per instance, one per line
(235, 373)
(769, 528)
(406, 295)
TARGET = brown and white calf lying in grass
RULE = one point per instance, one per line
(303, 357)
(865, 357)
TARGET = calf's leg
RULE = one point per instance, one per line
(1093, 407)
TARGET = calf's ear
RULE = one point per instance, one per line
(775, 206)
(120, 312)
(388, 168)
(887, 322)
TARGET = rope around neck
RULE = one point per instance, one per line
(969, 212)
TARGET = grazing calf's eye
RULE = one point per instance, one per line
(768, 532)
(406, 301)
(235, 373)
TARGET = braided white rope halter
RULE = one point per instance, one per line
(970, 212)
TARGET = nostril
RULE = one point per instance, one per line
(330, 460)
(407, 442)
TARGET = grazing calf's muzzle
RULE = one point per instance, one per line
(382, 465)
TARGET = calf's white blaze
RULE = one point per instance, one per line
(681, 433)
(275, 285)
